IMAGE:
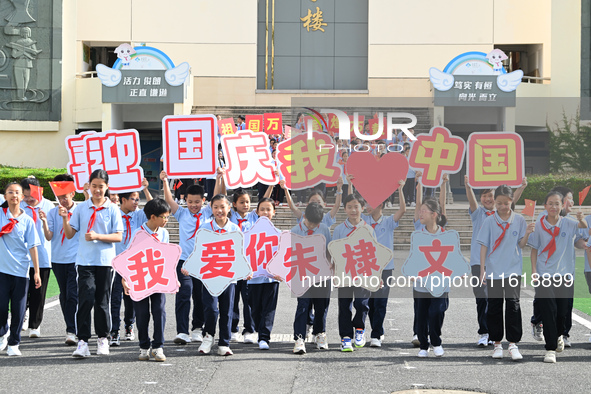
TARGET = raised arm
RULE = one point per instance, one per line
(519, 190)
(338, 198)
(167, 194)
(43, 218)
(471, 196)
(220, 186)
(147, 193)
(419, 192)
(402, 210)
(297, 213)
(443, 194)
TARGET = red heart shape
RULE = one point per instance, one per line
(374, 179)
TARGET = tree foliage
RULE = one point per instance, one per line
(570, 145)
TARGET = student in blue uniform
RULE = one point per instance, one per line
(63, 258)
(158, 212)
(132, 218)
(100, 221)
(317, 196)
(502, 236)
(190, 219)
(317, 296)
(349, 325)
(553, 261)
(586, 238)
(384, 228)
(18, 249)
(36, 298)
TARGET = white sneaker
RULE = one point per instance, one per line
(321, 341)
(144, 355)
(158, 354)
(560, 345)
(483, 341)
(415, 341)
(26, 321)
(249, 337)
(299, 347)
(196, 336)
(102, 346)
(71, 339)
(537, 331)
(13, 351)
(423, 353)
(498, 353)
(566, 342)
(375, 342)
(550, 356)
(206, 345)
(514, 352)
(3, 342)
(182, 339)
(234, 337)
(263, 345)
(438, 351)
(82, 350)
(34, 333)
(224, 351)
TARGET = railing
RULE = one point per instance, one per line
(541, 80)
(87, 74)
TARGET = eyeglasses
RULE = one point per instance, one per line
(164, 217)
(14, 193)
(134, 199)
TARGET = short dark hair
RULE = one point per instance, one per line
(126, 195)
(314, 213)
(156, 207)
(195, 190)
(356, 197)
(63, 178)
(27, 182)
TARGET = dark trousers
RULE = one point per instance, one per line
(36, 297)
(65, 275)
(430, 314)
(182, 305)
(156, 304)
(117, 295)
(588, 280)
(262, 189)
(500, 290)
(300, 196)
(409, 190)
(242, 291)
(378, 304)
(13, 296)
(415, 326)
(553, 301)
(568, 319)
(209, 188)
(263, 304)
(305, 305)
(219, 306)
(94, 291)
(345, 192)
(349, 297)
(278, 194)
(197, 294)
(536, 318)
(481, 295)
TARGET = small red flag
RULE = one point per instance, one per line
(178, 184)
(36, 192)
(530, 208)
(583, 194)
(62, 188)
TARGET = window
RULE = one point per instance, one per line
(527, 57)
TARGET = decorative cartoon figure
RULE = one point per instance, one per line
(496, 57)
(124, 52)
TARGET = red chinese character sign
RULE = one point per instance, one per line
(376, 179)
(227, 126)
(434, 260)
(248, 160)
(360, 256)
(304, 162)
(254, 123)
(495, 159)
(301, 262)
(148, 266)
(260, 244)
(437, 153)
(218, 260)
(117, 151)
(189, 145)
(274, 123)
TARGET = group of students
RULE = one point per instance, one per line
(35, 234)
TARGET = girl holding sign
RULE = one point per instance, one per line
(552, 260)
(502, 237)
(101, 222)
(18, 248)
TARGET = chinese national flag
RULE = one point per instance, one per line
(530, 207)
(37, 192)
(273, 123)
(62, 188)
(178, 184)
(583, 194)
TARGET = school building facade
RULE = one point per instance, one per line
(250, 56)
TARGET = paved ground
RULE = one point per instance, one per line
(47, 364)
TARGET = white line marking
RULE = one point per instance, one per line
(51, 304)
(582, 321)
(406, 366)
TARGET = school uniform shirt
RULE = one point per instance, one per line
(261, 279)
(161, 234)
(213, 226)
(302, 230)
(384, 228)
(327, 220)
(14, 246)
(585, 235)
(477, 217)
(244, 223)
(188, 226)
(507, 258)
(344, 229)
(562, 260)
(63, 250)
(107, 221)
(2, 199)
(131, 222)
(421, 227)
(44, 250)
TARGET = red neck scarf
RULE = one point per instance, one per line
(33, 213)
(240, 222)
(551, 247)
(127, 227)
(93, 217)
(7, 228)
(198, 216)
(220, 231)
(500, 239)
(62, 230)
